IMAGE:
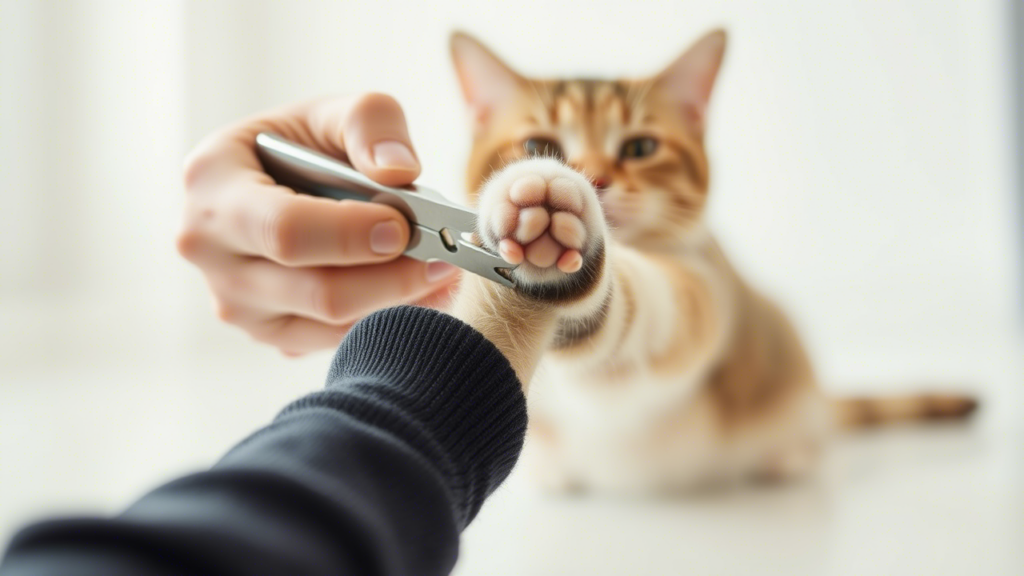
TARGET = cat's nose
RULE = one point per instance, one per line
(600, 182)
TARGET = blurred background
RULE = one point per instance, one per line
(863, 174)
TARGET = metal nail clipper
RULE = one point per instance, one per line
(440, 229)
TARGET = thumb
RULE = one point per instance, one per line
(374, 136)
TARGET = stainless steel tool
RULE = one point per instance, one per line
(440, 229)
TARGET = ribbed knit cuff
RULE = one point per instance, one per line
(440, 386)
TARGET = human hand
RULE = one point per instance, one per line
(297, 271)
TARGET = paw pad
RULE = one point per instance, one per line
(543, 215)
(540, 222)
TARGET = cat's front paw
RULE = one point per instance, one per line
(545, 217)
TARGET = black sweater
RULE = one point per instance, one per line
(422, 418)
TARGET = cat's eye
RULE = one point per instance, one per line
(542, 147)
(641, 147)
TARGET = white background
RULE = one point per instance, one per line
(862, 176)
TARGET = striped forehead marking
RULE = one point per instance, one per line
(588, 101)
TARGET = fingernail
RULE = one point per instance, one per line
(438, 270)
(394, 154)
(386, 238)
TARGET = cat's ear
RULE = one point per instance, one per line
(486, 81)
(688, 81)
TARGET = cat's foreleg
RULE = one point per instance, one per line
(545, 218)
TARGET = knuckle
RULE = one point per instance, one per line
(227, 312)
(348, 242)
(203, 157)
(280, 233)
(189, 244)
(195, 165)
(327, 301)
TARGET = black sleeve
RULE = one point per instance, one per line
(422, 418)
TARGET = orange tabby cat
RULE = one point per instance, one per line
(662, 369)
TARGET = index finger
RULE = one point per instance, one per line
(299, 230)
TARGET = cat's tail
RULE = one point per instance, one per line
(871, 411)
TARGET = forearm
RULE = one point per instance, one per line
(520, 327)
(421, 419)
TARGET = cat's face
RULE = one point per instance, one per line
(639, 141)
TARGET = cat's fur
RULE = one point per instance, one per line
(664, 370)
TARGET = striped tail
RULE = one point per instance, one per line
(868, 412)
